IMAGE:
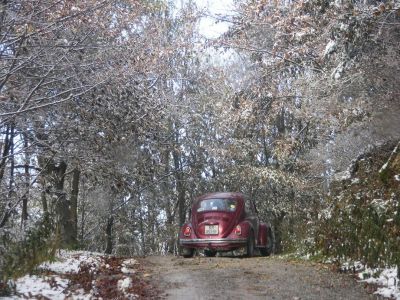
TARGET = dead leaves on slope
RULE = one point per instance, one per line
(104, 281)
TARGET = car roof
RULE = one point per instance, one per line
(235, 195)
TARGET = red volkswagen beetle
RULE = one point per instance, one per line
(224, 222)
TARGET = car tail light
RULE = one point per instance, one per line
(238, 230)
(187, 231)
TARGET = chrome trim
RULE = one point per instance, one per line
(212, 241)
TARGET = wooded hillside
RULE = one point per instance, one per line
(116, 114)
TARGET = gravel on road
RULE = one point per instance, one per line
(251, 278)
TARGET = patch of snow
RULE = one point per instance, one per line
(56, 287)
(354, 266)
(68, 266)
(69, 261)
(299, 35)
(344, 27)
(338, 3)
(128, 266)
(328, 260)
(126, 270)
(325, 213)
(345, 175)
(387, 280)
(337, 73)
(51, 287)
(383, 168)
(306, 256)
(397, 177)
(130, 262)
(389, 292)
(380, 205)
(355, 180)
(124, 284)
(330, 48)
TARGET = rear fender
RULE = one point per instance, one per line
(246, 228)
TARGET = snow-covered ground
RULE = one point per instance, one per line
(386, 280)
(51, 287)
(55, 278)
(69, 261)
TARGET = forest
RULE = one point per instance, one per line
(116, 114)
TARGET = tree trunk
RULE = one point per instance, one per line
(266, 150)
(181, 204)
(5, 152)
(398, 272)
(280, 121)
(42, 181)
(109, 245)
(170, 229)
(74, 203)
(292, 199)
(82, 210)
(12, 163)
(168, 206)
(62, 206)
(141, 226)
(278, 220)
(9, 150)
(180, 188)
(24, 213)
(44, 202)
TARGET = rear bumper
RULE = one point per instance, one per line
(221, 243)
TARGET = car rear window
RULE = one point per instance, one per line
(219, 204)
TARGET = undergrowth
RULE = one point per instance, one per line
(20, 255)
(363, 223)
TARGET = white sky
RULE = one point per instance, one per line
(209, 27)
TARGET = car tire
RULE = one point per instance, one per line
(250, 245)
(187, 252)
(210, 253)
(270, 244)
(264, 252)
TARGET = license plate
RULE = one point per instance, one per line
(211, 229)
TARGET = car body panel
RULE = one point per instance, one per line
(223, 220)
(262, 235)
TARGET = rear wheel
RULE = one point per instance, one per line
(250, 245)
(270, 243)
(210, 253)
(264, 252)
(187, 252)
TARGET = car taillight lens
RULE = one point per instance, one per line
(187, 231)
(238, 230)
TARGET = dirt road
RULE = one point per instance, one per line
(250, 278)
